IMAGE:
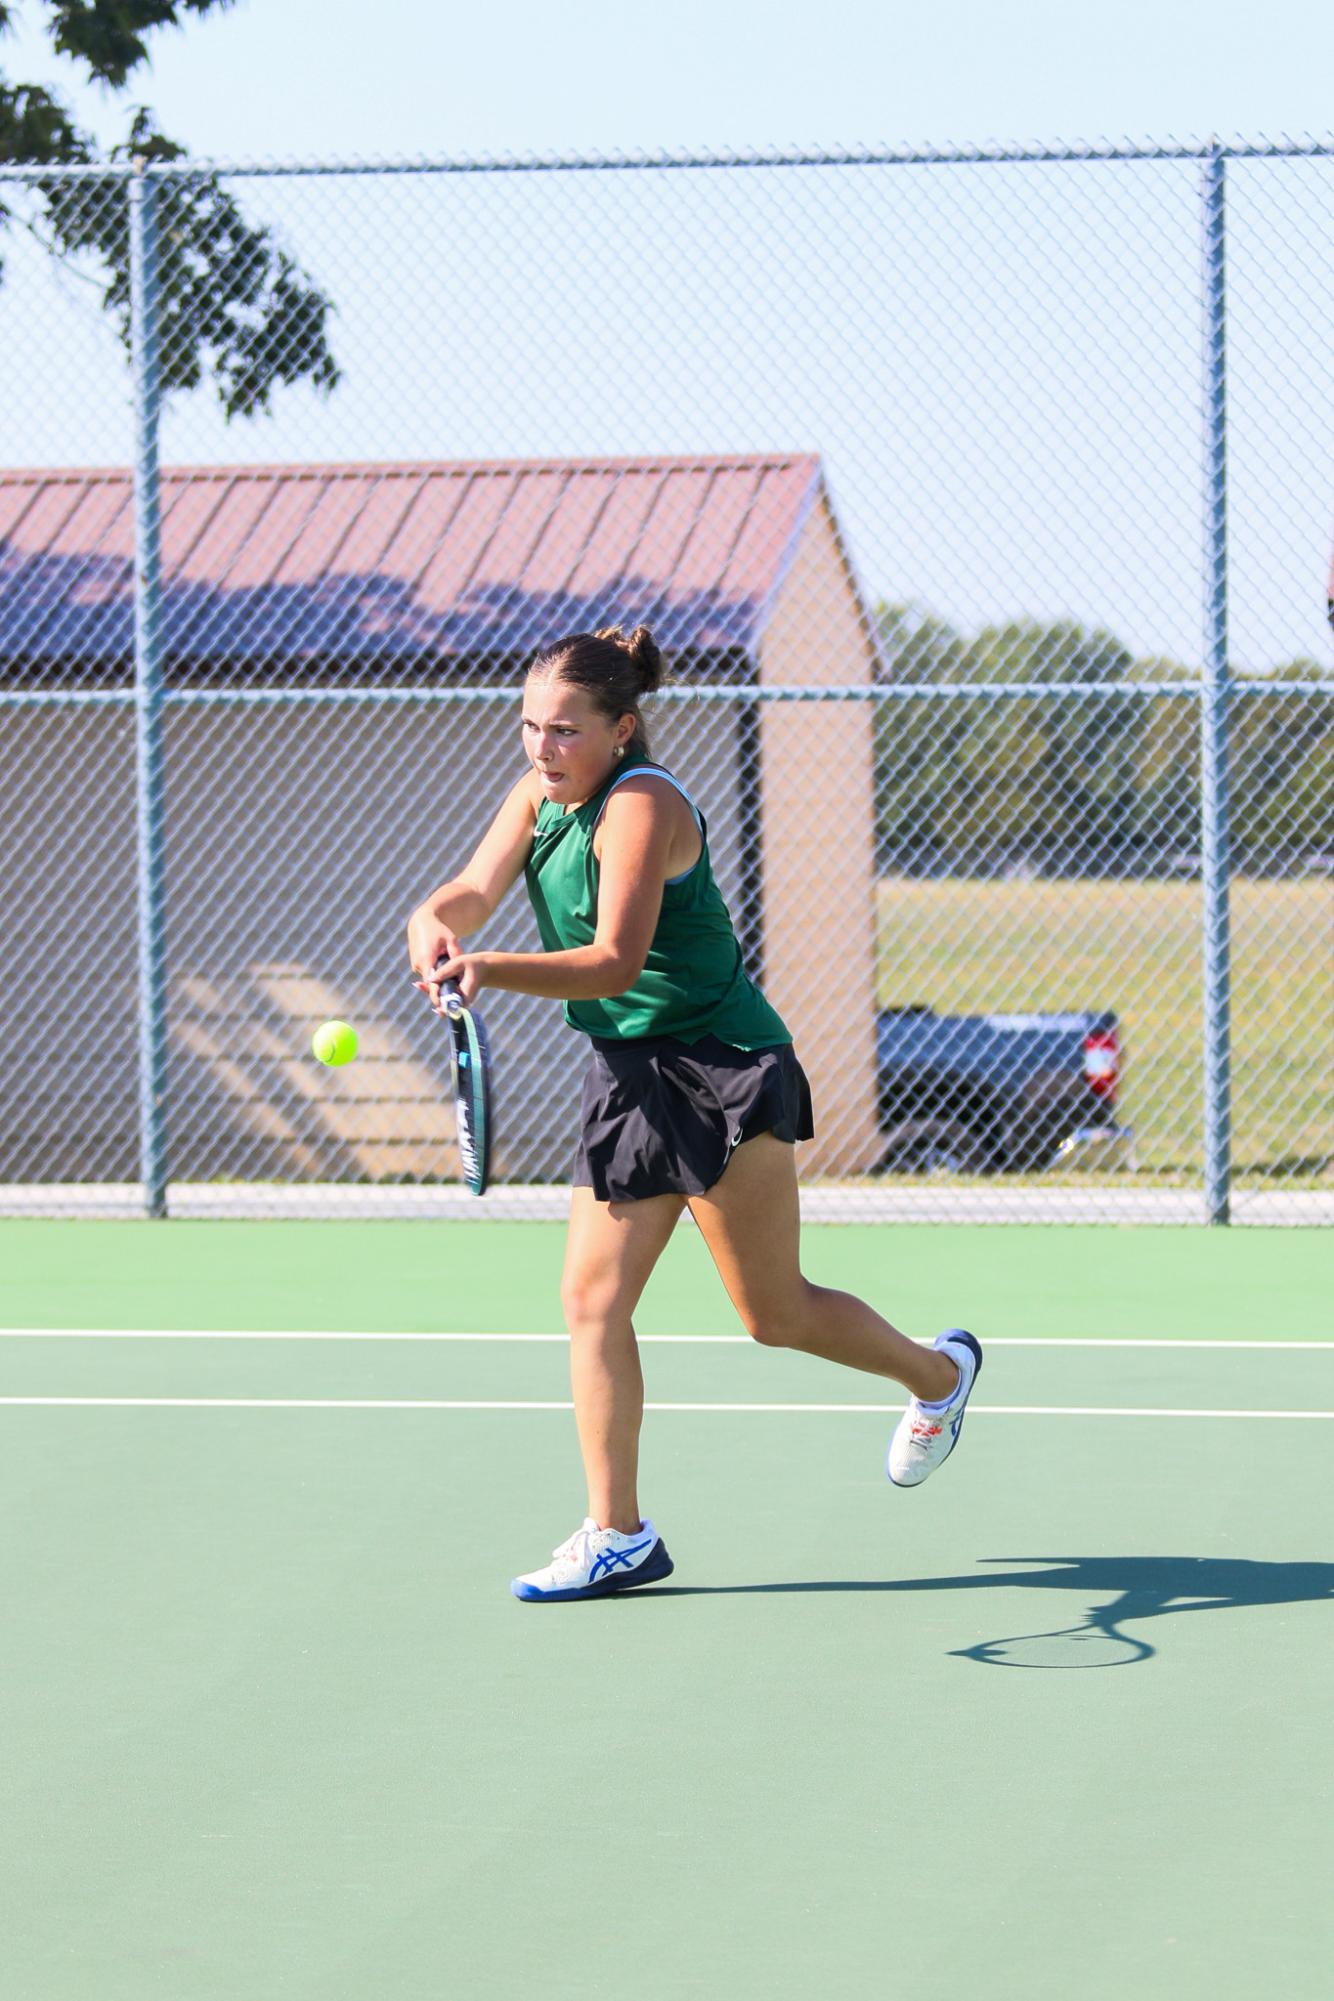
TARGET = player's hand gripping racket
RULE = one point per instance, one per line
(470, 1066)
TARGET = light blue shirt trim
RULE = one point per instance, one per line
(656, 771)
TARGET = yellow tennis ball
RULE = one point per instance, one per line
(334, 1042)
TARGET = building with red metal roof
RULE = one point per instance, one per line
(395, 571)
(357, 577)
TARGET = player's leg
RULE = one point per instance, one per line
(751, 1222)
(610, 1251)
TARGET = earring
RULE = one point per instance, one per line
(618, 750)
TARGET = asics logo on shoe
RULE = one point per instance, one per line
(615, 1559)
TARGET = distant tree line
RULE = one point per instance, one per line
(1083, 783)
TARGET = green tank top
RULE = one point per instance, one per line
(693, 983)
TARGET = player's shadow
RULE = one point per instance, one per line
(1134, 1589)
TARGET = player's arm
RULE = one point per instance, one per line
(467, 900)
(639, 831)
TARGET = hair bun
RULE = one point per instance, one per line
(643, 650)
(615, 671)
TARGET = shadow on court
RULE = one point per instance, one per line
(1141, 1588)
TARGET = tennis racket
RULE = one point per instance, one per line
(470, 1069)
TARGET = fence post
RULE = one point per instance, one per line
(1215, 860)
(151, 872)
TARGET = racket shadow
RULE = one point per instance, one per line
(1133, 1589)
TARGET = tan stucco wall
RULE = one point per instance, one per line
(817, 817)
(298, 841)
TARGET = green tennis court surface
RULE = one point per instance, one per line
(1057, 1724)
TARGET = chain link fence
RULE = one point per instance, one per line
(982, 504)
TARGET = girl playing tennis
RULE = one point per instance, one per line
(693, 1097)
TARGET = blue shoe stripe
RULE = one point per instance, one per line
(656, 1565)
(613, 1559)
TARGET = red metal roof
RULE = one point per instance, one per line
(386, 563)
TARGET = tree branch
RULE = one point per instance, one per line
(108, 36)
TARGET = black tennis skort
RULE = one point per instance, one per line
(662, 1117)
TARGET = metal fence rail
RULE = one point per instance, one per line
(980, 496)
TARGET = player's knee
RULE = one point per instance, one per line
(586, 1299)
(773, 1326)
(576, 1297)
(778, 1322)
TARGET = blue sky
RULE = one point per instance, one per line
(276, 78)
(1002, 374)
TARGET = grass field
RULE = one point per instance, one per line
(982, 947)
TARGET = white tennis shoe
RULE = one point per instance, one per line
(594, 1562)
(928, 1432)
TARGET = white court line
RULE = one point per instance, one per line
(704, 1340)
(469, 1403)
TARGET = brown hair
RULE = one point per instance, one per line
(615, 670)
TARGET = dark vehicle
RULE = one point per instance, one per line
(977, 1094)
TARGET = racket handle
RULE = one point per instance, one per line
(452, 999)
